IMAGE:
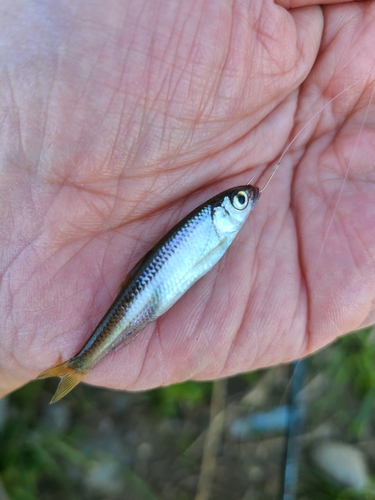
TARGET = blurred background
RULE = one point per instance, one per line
(198, 441)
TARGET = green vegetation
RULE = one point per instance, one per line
(96, 444)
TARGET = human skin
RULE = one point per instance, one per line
(119, 118)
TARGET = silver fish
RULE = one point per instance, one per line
(163, 275)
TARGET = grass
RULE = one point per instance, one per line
(98, 443)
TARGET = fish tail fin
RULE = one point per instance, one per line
(69, 379)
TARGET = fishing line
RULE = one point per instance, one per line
(343, 182)
(318, 113)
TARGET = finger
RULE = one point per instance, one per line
(294, 4)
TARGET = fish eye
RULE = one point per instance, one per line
(240, 200)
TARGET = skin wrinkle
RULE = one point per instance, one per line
(162, 372)
(264, 37)
(133, 148)
(236, 328)
(9, 319)
(197, 59)
(212, 360)
(302, 297)
(153, 122)
(349, 239)
(304, 284)
(82, 329)
(216, 283)
(46, 115)
(176, 38)
(100, 222)
(207, 302)
(359, 268)
(234, 35)
(191, 90)
(106, 264)
(135, 381)
(116, 198)
(163, 353)
(283, 222)
(210, 85)
(34, 189)
(181, 77)
(122, 111)
(145, 109)
(15, 111)
(85, 89)
(164, 356)
(29, 246)
(259, 278)
(195, 316)
(171, 92)
(138, 103)
(331, 218)
(334, 325)
(189, 369)
(59, 66)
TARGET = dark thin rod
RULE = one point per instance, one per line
(296, 419)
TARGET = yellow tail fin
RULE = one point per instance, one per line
(69, 379)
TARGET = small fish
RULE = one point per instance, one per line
(161, 277)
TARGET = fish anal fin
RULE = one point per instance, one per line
(69, 379)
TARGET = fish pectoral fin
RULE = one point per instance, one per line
(206, 260)
(69, 379)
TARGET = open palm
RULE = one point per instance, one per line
(118, 119)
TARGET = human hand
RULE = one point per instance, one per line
(119, 119)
